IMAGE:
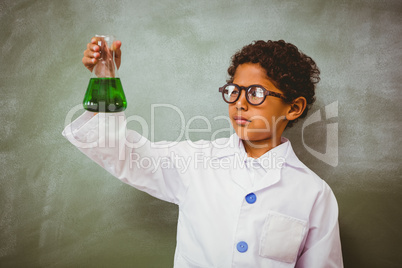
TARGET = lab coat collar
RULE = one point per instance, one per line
(234, 145)
(277, 158)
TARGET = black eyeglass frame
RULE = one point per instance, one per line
(240, 88)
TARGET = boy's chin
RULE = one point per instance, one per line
(252, 137)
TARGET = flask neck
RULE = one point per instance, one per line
(106, 65)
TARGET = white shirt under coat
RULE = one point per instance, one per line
(234, 211)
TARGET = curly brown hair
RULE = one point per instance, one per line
(291, 71)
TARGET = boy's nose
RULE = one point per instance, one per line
(242, 103)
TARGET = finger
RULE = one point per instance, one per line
(116, 48)
(93, 47)
(97, 44)
(95, 39)
(116, 45)
(89, 61)
(117, 53)
(91, 54)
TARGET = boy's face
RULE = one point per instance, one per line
(257, 123)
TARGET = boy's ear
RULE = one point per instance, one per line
(297, 108)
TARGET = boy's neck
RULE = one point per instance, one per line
(256, 149)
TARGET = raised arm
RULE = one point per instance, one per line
(125, 154)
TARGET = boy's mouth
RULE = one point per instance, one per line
(240, 120)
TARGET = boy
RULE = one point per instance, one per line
(244, 201)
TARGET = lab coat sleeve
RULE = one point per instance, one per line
(127, 155)
(323, 247)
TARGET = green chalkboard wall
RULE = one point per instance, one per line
(58, 209)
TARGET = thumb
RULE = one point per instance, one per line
(116, 45)
(117, 52)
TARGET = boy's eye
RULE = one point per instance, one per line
(256, 92)
(255, 95)
(233, 95)
(231, 90)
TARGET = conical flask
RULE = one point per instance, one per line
(105, 91)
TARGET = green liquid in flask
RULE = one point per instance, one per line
(105, 95)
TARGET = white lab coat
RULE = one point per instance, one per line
(279, 215)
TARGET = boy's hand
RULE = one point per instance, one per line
(91, 54)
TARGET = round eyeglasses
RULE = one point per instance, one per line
(255, 94)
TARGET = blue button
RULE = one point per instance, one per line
(251, 198)
(242, 246)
